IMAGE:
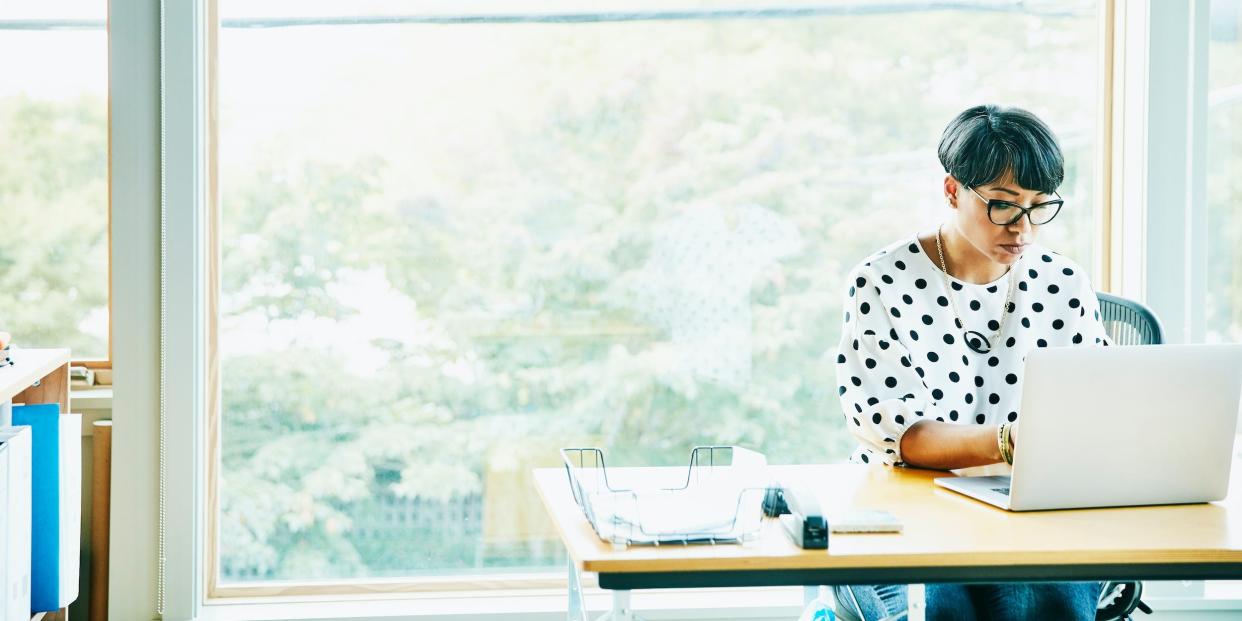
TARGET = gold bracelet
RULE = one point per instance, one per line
(1005, 443)
(1003, 439)
(1000, 440)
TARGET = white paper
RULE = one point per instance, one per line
(4, 522)
(70, 505)
(15, 588)
(680, 511)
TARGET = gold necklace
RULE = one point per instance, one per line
(975, 340)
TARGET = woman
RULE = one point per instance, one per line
(937, 328)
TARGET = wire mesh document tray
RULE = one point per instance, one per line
(718, 499)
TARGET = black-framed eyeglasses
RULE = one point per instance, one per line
(1004, 213)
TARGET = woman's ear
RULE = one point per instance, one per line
(950, 190)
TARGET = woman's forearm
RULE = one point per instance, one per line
(946, 446)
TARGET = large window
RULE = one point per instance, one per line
(453, 244)
(1224, 187)
(54, 175)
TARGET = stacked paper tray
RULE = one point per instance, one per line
(718, 498)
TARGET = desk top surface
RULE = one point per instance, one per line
(941, 528)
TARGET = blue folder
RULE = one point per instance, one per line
(44, 420)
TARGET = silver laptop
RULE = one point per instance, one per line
(1120, 426)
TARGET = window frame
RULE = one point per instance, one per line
(213, 590)
(1159, 71)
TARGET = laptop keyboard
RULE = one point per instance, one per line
(1001, 490)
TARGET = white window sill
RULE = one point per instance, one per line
(768, 603)
(94, 398)
(543, 605)
(1179, 604)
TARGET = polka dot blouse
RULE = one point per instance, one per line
(902, 359)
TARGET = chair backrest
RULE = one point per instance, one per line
(1128, 322)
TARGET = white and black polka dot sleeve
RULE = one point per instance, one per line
(881, 388)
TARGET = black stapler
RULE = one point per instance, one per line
(798, 510)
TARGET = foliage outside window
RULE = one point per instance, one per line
(1224, 188)
(450, 249)
(54, 176)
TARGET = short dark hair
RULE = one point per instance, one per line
(984, 142)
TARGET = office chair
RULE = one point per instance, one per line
(1127, 323)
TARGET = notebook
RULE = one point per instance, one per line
(55, 499)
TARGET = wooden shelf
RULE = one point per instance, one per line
(48, 367)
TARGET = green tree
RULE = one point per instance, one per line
(522, 226)
(54, 213)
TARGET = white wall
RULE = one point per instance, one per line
(134, 77)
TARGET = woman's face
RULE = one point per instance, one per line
(1002, 244)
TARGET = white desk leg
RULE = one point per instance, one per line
(809, 593)
(577, 608)
(620, 608)
(916, 602)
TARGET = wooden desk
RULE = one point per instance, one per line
(948, 538)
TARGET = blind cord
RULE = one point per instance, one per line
(163, 515)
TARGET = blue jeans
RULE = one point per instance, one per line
(1071, 601)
